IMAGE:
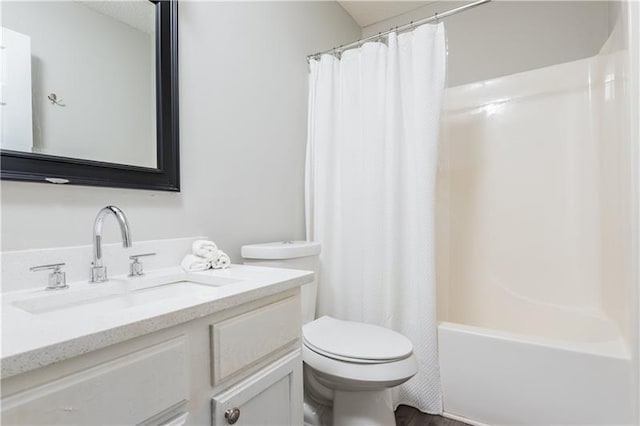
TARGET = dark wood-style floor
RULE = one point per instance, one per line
(409, 416)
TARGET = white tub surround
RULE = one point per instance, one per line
(533, 190)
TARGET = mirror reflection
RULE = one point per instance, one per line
(78, 80)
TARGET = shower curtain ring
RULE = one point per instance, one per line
(437, 20)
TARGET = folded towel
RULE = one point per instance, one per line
(192, 263)
(222, 261)
(205, 249)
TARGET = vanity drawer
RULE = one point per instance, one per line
(125, 390)
(243, 341)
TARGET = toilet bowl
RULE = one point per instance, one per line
(348, 366)
(353, 366)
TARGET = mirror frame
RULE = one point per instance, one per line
(22, 166)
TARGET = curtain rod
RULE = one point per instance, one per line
(400, 29)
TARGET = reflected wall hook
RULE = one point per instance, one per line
(54, 100)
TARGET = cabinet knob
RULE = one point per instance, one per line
(232, 415)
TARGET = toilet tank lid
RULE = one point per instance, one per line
(281, 250)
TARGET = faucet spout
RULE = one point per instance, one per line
(98, 270)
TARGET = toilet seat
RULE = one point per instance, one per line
(355, 342)
(350, 376)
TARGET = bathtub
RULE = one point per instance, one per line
(496, 377)
(534, 258)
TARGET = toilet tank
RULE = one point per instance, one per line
(290, 255)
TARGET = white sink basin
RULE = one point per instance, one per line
(118, 294)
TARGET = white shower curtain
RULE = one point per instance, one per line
(370, 187)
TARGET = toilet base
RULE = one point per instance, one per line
(317, 414)
(368, 408)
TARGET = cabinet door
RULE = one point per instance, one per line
(123, 391)
(271, 397)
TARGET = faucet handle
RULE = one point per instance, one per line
(136, 267)
(55, 266)
(57, 278)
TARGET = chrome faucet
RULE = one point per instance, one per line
(98, 270)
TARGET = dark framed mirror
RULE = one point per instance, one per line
(93, 93)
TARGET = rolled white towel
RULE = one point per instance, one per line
(192, 263)
(222, 261)
(205, 249)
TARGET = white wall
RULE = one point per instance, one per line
(243, 103)
(505, 37)
(101, 69)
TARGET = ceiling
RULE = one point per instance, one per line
(370, 12)
(139, 14)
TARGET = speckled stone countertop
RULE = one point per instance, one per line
(41, 327)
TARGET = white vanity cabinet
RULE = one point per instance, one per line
(240, 366)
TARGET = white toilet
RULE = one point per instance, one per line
(350, 366)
